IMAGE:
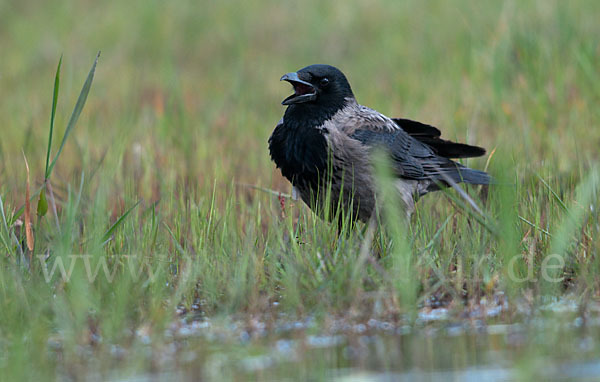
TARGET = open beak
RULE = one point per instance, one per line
(303, 91)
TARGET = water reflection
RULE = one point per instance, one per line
(558, 341)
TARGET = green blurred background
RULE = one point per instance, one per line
(195, 84)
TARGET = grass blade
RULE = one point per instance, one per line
(5, 226)
(54, 102)
(554, 194)
(28, 230)
(119, 221)
(76, 112)
(21, 209)
(575, 215)
(48, 186)
(533, 225)
(267, 190)
(481, 218)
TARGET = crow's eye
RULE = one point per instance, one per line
(324, 81)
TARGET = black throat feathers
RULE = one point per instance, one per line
(298, 145)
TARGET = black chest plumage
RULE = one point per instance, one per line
(299, 147)
(301, 152)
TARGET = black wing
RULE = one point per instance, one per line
(430, 136)
(414, 159)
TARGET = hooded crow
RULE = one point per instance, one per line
(326, 140)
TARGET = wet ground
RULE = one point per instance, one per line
(559, 341)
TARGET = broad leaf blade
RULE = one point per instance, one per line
(42, 206)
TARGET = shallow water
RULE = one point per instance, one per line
(558, 342)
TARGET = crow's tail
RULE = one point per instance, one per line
(471, 176)
(453, 172)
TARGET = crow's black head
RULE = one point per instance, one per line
(318, 87)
